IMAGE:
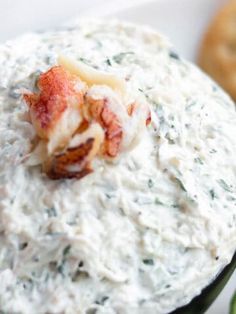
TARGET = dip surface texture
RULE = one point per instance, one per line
(141, 234)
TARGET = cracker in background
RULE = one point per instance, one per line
(218, 50)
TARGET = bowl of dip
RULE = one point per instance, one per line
(117, 174)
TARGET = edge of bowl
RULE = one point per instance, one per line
(202, 302)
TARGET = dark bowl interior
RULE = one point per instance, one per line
(202, 302)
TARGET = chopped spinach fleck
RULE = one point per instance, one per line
(190, 199)
(198, 161)
(84, 60)
(98, 43)
(121, 211)
(158, 107)
(66, 250)
(51, 212)
(170, 141)
(175, 205)
(61, 267)
(158, 202)
(224, 185)
(212, 193)
(109, 196)
(141, 302)
(190, 105)
(148, 261)
(174, 55)
(118, 58)
(102, 300)
(50, 59)
(150, 183)
(108, 62)
(213, 151)
(215, 88)
(181, 185)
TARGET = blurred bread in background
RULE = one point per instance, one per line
(217, 54)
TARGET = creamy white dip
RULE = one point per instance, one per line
(143, 234)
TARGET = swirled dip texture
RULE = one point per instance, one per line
(141, 234)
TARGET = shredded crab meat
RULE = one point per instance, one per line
(76, 120)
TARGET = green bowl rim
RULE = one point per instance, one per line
(202, 302)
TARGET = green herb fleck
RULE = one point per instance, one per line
(84, 60)
(224, 185)
(215, 88)
(158, 107)
(51, 212)
(148, 261)
(175, 205)
(118, 58)
(99, 43)
(174, 55)
(102, 300)
(212, 193)
(109, 196)
(181, 185)
(108, 62)
(61, 267)
(170, 141)
(213, 151)
(199, 161)
(66, 250)
(190, 105)
(158, 202)
(150, 183)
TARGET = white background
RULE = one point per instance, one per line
(183, 21)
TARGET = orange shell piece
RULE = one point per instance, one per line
(70, 164)
(132, 107)
(57, 90)
(100, 111)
